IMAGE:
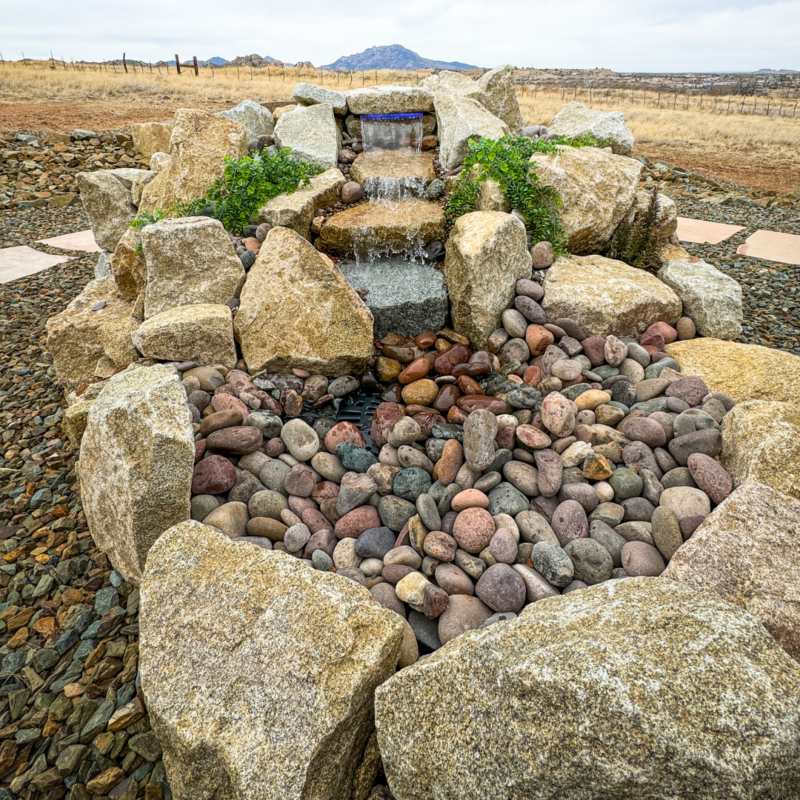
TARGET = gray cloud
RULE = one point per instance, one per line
(624, 35)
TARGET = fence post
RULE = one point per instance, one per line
(178, 63)
(25, 59)
(123, 62)
(196, 71)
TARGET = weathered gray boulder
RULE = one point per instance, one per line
(575, 119)
(311, 133)
(633, 688)
(190, 260)
(297, 310)
(390, 100)
(137, 459)
(459, 119)
(606, 296)
(258, 671)
(107, 202)
(597, 189)
(500, 96)
(711, 298)
(200, 333)
(307, 94)
(257, 120)
(486, 255)
(743, 553)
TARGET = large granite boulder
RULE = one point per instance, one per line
(486, 255)
(258, 671)
(307, 94)
(257, 120)
(711, 298)
(500, 96)
(151, 137)
(107, 202)
(575, 119)
(459, 119)
(137, 459)
(200, 142)
(297, 310)
(606, 296)
(639, 688)
(190, 260)
(199, 333)
(743, 371)
(747, 552)
(296, 210)
(456, 82)
(761, 442)
(390, 100)
(128, 266)
(312, 135)
(91, 337)
(597, 190)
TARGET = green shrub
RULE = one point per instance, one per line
(144, 218)
(635, 241)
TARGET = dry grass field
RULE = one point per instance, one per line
(723, 138)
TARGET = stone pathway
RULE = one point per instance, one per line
(699, 231)
(81, 240)
(19, 262)
(771, 246)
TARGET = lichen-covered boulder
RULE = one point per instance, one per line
(635, 688)
(258, 671)
(91, 337)
(575, 119)
(459, 119)
(296, 210)
(190, 260)
(151, 137)
(307, 94)
(743, 371)
(297, 310)
(128, 266)
(107, 202)
(711, 298)
(597, 190)
(486, 254)
(500, 96)
(761, 442)
(390, 100)
(257, 120)
(137, 459)
(199, 333)
(312, 135)
(606, 296)
(746, 552)
(199, 144)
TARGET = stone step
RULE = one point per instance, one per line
(405, 297)
(372, 229)
(393, 174)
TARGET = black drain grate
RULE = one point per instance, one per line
(357, 408)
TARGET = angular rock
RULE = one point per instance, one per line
(128, 266)
(137, 459)
(257, 120)
(298, 311)
(575, 119)
(456, 82)
(151, 137)
(597, 190)
(190, 261)
(500, 96)
(711, 298)
(389, 99)
(669, 661)
(605, 296)
(295, 652)
(312, 135)
(486, 255)
(199, 333)
(307, 94)
(108, 204)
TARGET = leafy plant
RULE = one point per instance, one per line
(636, 240)
(234, 199)
(144, 218)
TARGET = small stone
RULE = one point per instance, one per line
(642, 560)
(591, 561)
(553, 563)
(569, 522)
(501, 588)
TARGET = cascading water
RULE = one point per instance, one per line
(391, 132)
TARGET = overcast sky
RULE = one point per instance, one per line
(624, 35)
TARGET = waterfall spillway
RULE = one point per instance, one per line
(391, 131)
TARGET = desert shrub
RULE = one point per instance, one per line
(635, 241)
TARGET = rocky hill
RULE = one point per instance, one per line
(393, 56)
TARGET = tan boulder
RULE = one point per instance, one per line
(297, 310)
(200, 333)
(259, 672)
(743, 371)
(500, 96)
(311, 134)
(597, 190)
(456, 82)
(128, 265)
(296, 210)
(761, 442)
(85, 343)
(199, 144)
(491, 197)
(390, 99)
(575, 119)
(486, 254)
(606, 296)
(108, 204)
(190, 261)
(76, 415)
(746, 553)
(151, 137)
(137, 459)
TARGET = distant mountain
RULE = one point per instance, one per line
(253, 60)
(216, 61)
(777, 71)
(394, 56)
